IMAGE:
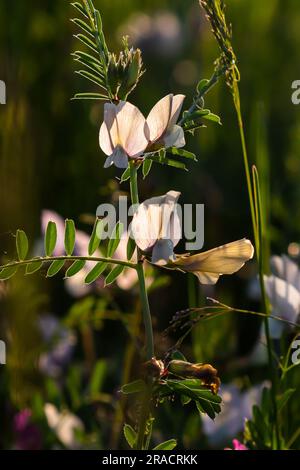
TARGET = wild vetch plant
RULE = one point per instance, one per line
(133, 142)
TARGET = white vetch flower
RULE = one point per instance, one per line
(236, 408)
(208, 266)
(162, 121)
(283, 290)
(156, 227)
(122, 134)
(64, 424)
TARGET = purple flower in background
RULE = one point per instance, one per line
(60, 344)
(237, 445)
(159, 35)
(28, 435)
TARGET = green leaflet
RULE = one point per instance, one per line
(112, 276)
(7, 273)
(167, 445)
(33, 267)
(114, 239)
(50, 238)
(75, 268)
(95, 272)
(130, 249)
(96, 236)
(55, 267)
(130, 435)
(70, 235)
(21, 244)
(136, 386)
(147, 165)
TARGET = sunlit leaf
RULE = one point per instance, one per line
(185, 400)
(202, 85)
(22, 244)
(87, 58)
(87, 42)
(130, 435)
(147, 164)
(8, 272)
(33, 267)
(91, 77)
(114, 239)
(50, 238)
(133, 387)
(125, 175)
(70, 235)
(130, 249)
(95, 272)
(84, 26)
(96, 236)
(89, 96)
(182, 153)
(112, 276)
(75, 268)
(80, 8)
(206, 408)
(212, 117)
(167, 445)
(55, 267)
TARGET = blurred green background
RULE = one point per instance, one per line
(50, 159)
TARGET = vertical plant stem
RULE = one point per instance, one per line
(145, 406)
(141, 274)
(265, 301)
(256, 216)
(237, 106)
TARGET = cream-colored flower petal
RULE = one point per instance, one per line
(145, 226)
(159, 118)
(207, 278)
(174, 137)
(105, 140)
(132, 129)
(170, 225)
(108, 135)
(177, 103)
(284, 298)
(286, 269)
(226, 259)
(155, 219)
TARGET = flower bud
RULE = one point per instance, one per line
(154, 368)
(205, 372)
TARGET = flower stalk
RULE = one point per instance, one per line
(145, 405)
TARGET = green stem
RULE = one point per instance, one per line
(145, 406)
(256, 216)
(146, 313)
(144, 417)
(266, 306)
(49, 259)
(141, 274)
